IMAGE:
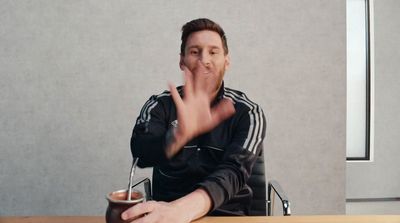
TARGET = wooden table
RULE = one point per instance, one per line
(291, 219)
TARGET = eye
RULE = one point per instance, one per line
(194, 52)
(214, 52)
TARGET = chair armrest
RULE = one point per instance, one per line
(275, 186)
(147, 186)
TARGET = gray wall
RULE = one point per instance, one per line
(74, 75)
(381, 178)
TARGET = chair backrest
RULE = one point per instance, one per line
(257, 184)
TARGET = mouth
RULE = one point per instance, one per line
(202, 71)
(207, 71)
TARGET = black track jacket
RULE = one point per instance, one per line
(219, 161)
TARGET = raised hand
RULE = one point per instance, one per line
(194, 112)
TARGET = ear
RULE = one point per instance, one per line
(181, 63)
(227, 62)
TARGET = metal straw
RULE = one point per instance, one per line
(133, 168)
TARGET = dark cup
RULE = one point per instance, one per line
(118, 203)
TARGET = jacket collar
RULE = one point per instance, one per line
(220, 94)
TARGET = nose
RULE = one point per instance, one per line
(205, 59)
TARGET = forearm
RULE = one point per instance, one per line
(230, 177)
(194, 205)
(174, 142)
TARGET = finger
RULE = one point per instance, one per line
(223, 110)
(138, 210)
(175, 96)
(188, 76)
(151, 217)
(200, 77)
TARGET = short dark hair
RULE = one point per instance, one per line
(199, 25)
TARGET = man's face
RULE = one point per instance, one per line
(205, 47)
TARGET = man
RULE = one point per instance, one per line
(201, 138)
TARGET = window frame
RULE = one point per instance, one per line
(369, 108)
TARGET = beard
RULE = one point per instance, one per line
(220, 78)
(214, 80)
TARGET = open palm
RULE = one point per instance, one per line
(194, 111)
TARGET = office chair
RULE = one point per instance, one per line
(260, 202)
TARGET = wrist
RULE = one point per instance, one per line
(196, 204)
(175, 141)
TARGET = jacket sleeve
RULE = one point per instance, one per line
(240, 155)
(149, 134)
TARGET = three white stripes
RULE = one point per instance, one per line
(145, 114)
(148, 106)
(254, 136)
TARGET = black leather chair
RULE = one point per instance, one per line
(261, 204)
